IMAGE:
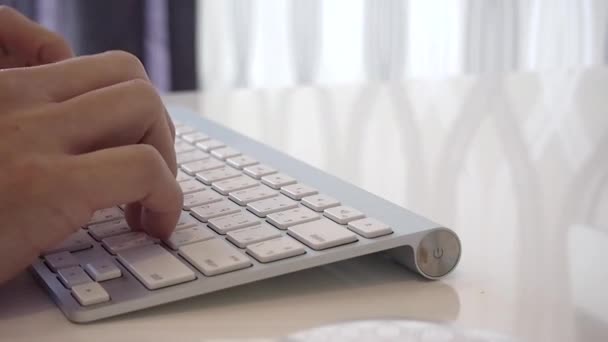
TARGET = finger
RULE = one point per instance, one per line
(171, 125)
(76, 76)
(126, 113)
(84, 74)
(32, 42)
(138, 215)
(129, 174)
(133, 215)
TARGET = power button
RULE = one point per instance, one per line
(438, 253)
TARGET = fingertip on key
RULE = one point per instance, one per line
(159, 225)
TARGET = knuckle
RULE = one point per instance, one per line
(128, 63)
(147, 95)
(149, 157)
(152, 164)
(145, 89)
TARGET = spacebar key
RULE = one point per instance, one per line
(155, 267)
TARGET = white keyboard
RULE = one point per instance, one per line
(249, 213)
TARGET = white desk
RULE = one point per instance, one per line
(516, 165)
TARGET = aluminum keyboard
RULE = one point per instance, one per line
(239, 215)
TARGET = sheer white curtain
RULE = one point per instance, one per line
(268, 43)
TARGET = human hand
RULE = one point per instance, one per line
(25, 43)
(77, 135)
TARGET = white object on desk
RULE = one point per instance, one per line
(103, 269)
(155, 267)
(90, 293)
(214, 256)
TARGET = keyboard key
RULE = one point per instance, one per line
(101, 231)
(195, 137)
(259, 171)
(253, 234)
(369, 228)
(241, 161)
(343, 214)
(191, 186)
(322, 234)
(224, 153)
(214, 256)
(205, 196)
(275, 249)
(191, 156)
(215, 175)
(320, 202)
(288, 218)
(209, 145)
(75, 242)
(72, 276)
(103, 269)
(242, 197)
(201, 165)
(182, 147)
(271, 205)
(155, 267)
(298, 191)
(234, 184)
(60, 260)
(115, 244)
(182, 176)
(186, 221)
(183, 130)
(106, 214)
(189, 235)
(224, 224)
(90, 294)
(216, 209)
(278, 180)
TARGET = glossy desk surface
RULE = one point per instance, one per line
(517, 165)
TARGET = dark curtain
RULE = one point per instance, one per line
(160, 32)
